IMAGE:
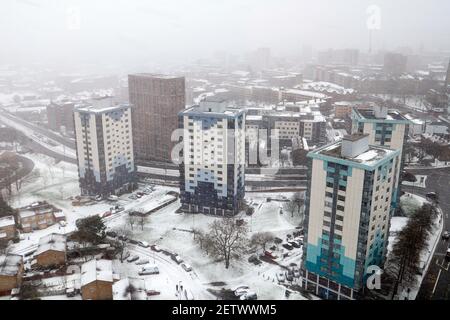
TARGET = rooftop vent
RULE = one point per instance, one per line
(355, 144)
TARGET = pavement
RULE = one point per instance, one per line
(436, 283)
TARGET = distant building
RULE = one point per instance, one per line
(105, 149)
(156, 101)
(97, 278)
(7, 228)
(212, 173)
(38, 216)
(437, 128)
(11, 272)
(395, 63)
(60, 115)
(51, 250)
(348, 215)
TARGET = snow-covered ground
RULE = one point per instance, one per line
(57, 183)
(420, 182)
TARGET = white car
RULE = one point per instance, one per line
(240, 292)
(62, 223)
(250, 295)
(143, 244)
(186, 267)
(133, 258)
(142, 262)
(148, 270)
(241, 286)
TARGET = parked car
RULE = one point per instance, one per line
(142, 262)
(152, 292)
(143, 244)
(240, 286)
(133, 258)
(277, 240)
(290, 276)
(295, 244)
(132, 241)
(240, 292)
(186, 267)
(123, 238)
(148, 270)
(62, 224)
(113, 198)
(254, 259)
(111, 234)
(270, 255)
(107, 214)
(177, 258)
(126, 255)
(98, 198)
(281, 277)
(446, 235)
(287, 246)
(155, 248)
(250, 295)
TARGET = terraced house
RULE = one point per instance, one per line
(348, 215)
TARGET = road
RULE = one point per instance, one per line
(437, 280)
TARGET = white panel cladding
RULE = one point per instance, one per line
(352, 212)
(317, 202)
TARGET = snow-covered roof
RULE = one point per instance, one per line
(10, 264)
(96, 270)
(7, 221)
(53, 241)
(26, 213)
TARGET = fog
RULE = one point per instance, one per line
(162, 31)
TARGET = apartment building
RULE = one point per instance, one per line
(39, 215)
(212, 173)
(348, 215)
(105, 149)
(385, 127)
(7, 228)
(156, 101)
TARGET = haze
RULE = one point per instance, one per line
(162, 31)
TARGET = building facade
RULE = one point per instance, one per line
(7, 228)
(212, 172)
(51, 250)
(156, 101)
(348, 215)
(60, 115)
(105, 149)
(11, 272)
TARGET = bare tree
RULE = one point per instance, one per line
(226, 240)
(142, 220)
(131, 221)
(261, 239)
(123, 234)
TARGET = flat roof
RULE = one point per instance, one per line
(156, 75)
(369, 114)
(101, 109)
(367, 160)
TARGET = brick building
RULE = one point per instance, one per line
(7, 228)
(11, 271)
(51, 250)
(97, 278)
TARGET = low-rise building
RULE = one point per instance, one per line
(51, 250)
(11, 271)
(97, 279)
(437, 128)
(38, 216)
(7, 228)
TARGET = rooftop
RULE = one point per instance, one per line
(7, 221)
(53, 242)
(155, 76)
(369, 114)
(101, 109)
(10, 265)
(96, 270)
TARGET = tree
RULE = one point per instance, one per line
(261, 239)
(131, 221)
(226, 240)
(28, 292)
(90, 230)
(123, 234)
(404, 261)
(410, 152)
(142, 220)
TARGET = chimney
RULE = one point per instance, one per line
(355, 144)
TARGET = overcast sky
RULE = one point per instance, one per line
(160, 30)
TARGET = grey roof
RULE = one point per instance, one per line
(10, 264)
(53, 241)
